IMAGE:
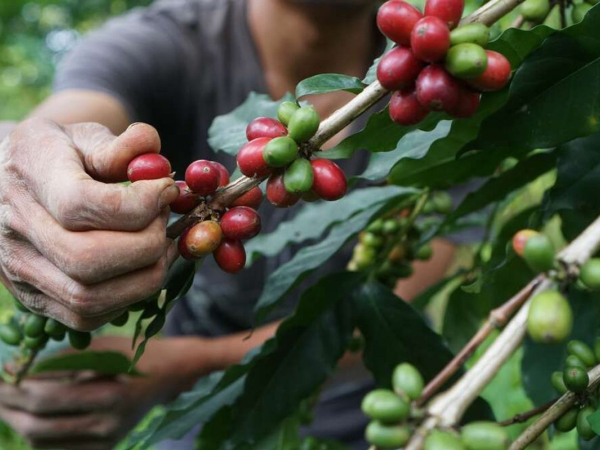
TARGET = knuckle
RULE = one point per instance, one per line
(80, 301)
(27, 426)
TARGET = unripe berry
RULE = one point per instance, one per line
(304, 123)
(584, 429)
(476, 33)
(230, 256)
(240, 223)
(443, 440)
(121, 320)
(223, 173)
(485, 436)
(576, 379)
(535, 10)
(568, 420)
(265, 127)
(430, 39)
(437, 90)
(539, 253)
(280, 152)
(467, 104)
(203, 238)
(80, 340)
(496, 74)
(298, 177)
(277, 194)
(405, 108)
(252, 198)
(329, 180)
(286, 110)
(579, 11)
(186, 201)
(202, 177)
(55, 329)
(150, 166)
(550, 318)
(449, 11)
(466, 60)
(590, 274)
(250, 158)
(387, 436)
(398, 69)
(396, 19)
(385, 406)
(34, 325)
(520, 239)
(10, 334)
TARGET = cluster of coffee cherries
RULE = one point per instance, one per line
(436, 66)
(274, 149)
(581, 357)
(393, 416)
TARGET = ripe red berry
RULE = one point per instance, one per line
(240, 223)
(277, 194)
(230, 256)
(496, 74)
(430, 39)
(202, 239)
(450, 11)
(250, 158)
(405, 109)
(467, 105)
(182, 247)
(186, 201)
(150, 166)
(202, 177)
(396, 20)
(252, 198)
(330, 181)
(437, 90)
(398, 69)
(223, 173)
(265, 127)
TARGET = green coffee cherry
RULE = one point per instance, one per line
(576, 379)
(539, 253)
(20, 306)
(376, 227)
(582, 351)
(579, 11)
(285, 112)
(441, 440)
(484, 436)
(590, 272)
(550, 318)
(558, 383)
(475, 33)
(298, 177)
(584, 429)
(11, 334)
(442, 202)
(372, 240)
(303, 124)
(36, 343)
(567, 421)
(80, 340)
(121, 320)
(280, 152)
(385, 406)
(364, 256)
(407, 381)
(535, 10)
(466, 60)
(34, 325)
(574, 361)
(390, 227)
(387, 436)
(424, 252)
(55, 329)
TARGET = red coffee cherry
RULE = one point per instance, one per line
(450, 11)
(330, 181)
(396, 20)
(467, 105)
(430, 39)
(223, 173)
(265, 127)
(398, 69)
(230, 256)
(203, 238)
(277, 194)
(495, 76)
(182, 247)
(252, 198)
(250, 158)
(150, 166)
(186, 201)
(405, 109)
(520, 239)
(240, 223)
(202, 177)
(437, 90)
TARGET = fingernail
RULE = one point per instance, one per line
(133, 125)
(168, 196)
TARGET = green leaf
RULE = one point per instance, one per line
(180, 278)
(285, 437)
(329, 82)
(104, 363)
(152, 330)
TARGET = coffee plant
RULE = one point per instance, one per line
(506, 95)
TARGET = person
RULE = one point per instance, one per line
(79, 247)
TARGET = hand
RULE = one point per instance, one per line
(73, 247)
(85, 411)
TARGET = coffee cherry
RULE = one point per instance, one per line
(535, 10)
(250, 158)
(442, 202)
(150, 166)
(584, 429)
(286, 110)
(280, 152)
(590, 274)
(34, 325)
(520, 239)
(240, 223)
(437, 90)
(277, 194)
(396, 19)
(385, 406)
(11, 334)
(466, 60)
(567, 421)
(230, 256)
(185, 254)
(496, 74)
(376, 227)
(304, 123)
(265, 127)
(539, 253)
(186, 201)
(252, 198)
(579, 11)
(202, 177)
(372, 240)
(398, 253)
(550, 318)
(390, 227)
(387, 436)
(476, 33)
(424, 253)
(329, 180)
(430, 39)
(582, 351)
(574, 361)
(576, 379)
(484, 436)
(36, 343)
(203, 238)
(398, 69)
(121, 320)
(449, 11)
(223, 173)
(467, 105)
(407, 381)
(299, 177)
(363, 256)
(558, 383)
(405, 108)
(79, 340)
(442, 440)
(55, 329)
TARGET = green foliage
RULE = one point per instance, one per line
(105, 363)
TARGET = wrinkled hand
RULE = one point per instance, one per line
(73, 245)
